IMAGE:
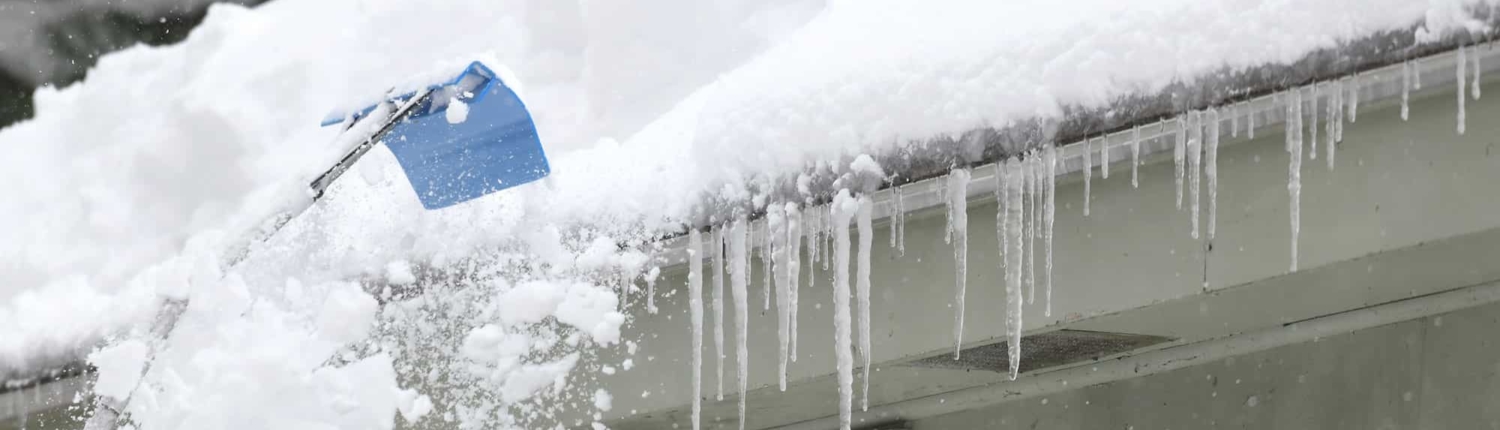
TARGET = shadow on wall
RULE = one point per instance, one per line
(77, 40)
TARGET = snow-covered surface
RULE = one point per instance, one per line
(650, 126)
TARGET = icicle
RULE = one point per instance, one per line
(767, 257)
(1001, 201)
(776, 225)
(1294, 174)
(1416, 75)
(1104, 157)
(1049, 164)
(815, 228)
(739, 272)
(719, 243)
(1234, 121)
(958, 234)
(1088, 174)
(898, 221)
(1211, 169)
(1250, 123)
(1195, 163)
(1478, 68)
(1459, 69)
(1029, 169)
(843, 209)
(1135, 157)
(1314, 127)
(828, 236)
(1354, 99)
(1338, 113)
(1179, 156)
(794, 269)
(1405, 89)
(695, 308)
(1014, 220)
(862, 291)
(1335, 124)
(651, 289)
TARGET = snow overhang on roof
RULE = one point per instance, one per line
(937, 156)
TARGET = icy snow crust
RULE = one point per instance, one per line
(125, 186)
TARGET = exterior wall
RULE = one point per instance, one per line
(1437, 372)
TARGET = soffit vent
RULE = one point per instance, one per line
(1042, 351)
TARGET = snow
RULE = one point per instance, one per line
(843, 210)
(653, 117)
(457, 112)
(695, 311)
(120, 367)
(958, 235)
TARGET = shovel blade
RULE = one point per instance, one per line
(473, 136)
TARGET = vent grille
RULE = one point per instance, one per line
(1042, 351)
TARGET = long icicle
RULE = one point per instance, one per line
(1049, 162)
(1459, 69)
(767, 257)
(1211, 169)
(1313, 129)
(1234, 121)
(1179, 157)
(1250, 122)
(1001, 201)
(1195, 164)
(1088, 174)
(1405, 89)
(1135, 157)
(862, 291)
(695, 309)
(794, 269)
(843, 208)
(1335, 124)
(1354, 99)
(958, 234)
(1104, 157)
(739, 271)
(1294, 166)
(1478, 69)
(719, 247)
(1014, 214)
(1029, 168)
(776, 224)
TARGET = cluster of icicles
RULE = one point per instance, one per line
(781, 245)
(1025, 189)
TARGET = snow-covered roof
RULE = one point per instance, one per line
(921, 87)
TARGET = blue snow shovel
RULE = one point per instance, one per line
(487, 144)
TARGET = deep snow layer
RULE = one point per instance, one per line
(125, 185)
